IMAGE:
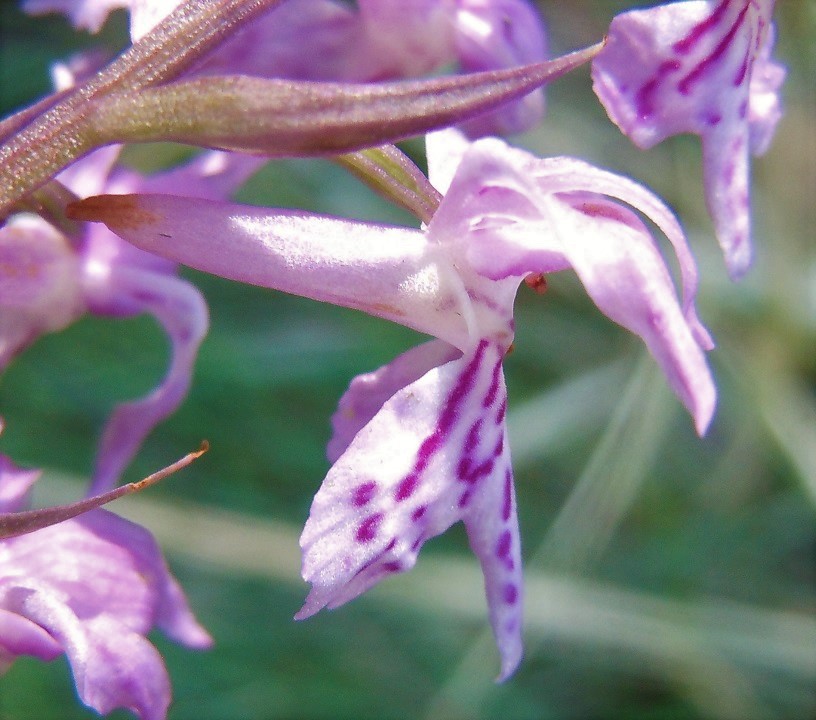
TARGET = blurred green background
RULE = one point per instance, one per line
(667, 576)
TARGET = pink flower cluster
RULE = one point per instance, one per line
(421, 442)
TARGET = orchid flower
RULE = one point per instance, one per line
(699, 67)
(377, 40)
(91, 588)
(421, 443)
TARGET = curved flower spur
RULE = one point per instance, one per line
(421, 442)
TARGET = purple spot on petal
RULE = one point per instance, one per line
(417, 543)
(463, 470)
(507, 505)
(472, 439)
(429, 446)
(392, 567)
(407, 487)
(713, 119)
(367, 530)
(510, 594)
(504, 544)
(497, 451)
(645, 96)
(743, 109)
(417, 515)
(464, 499)
(363, 493)
(460, 390)
(448, 417)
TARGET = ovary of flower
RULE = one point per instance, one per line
(421, 443)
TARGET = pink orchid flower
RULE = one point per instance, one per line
(700, 67)
(91, 588)
(421, 443)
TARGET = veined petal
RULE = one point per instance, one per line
(498, 185)
(435, 453)
(623, 272)
(690, 67)
(389, 272)
(625, 275)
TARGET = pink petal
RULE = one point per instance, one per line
(435, 453)
(39, 283)
(113, 666)
(389, 272)
(513, 214)
(20, 636)
(96, 585)
(368, 393)
(182, 312)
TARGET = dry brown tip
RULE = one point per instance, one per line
(116, 211)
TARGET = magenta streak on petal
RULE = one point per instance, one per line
(376, 559)
(473, 436)
(645, 96)
(504, 545)
(684, 46)
(500, 415)
(490, 398)
(433, 442)
(497, 451)
(684, 86)
(367, 530)
(417, 515)
(739, 78)
(507, 507)
(363, 493)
